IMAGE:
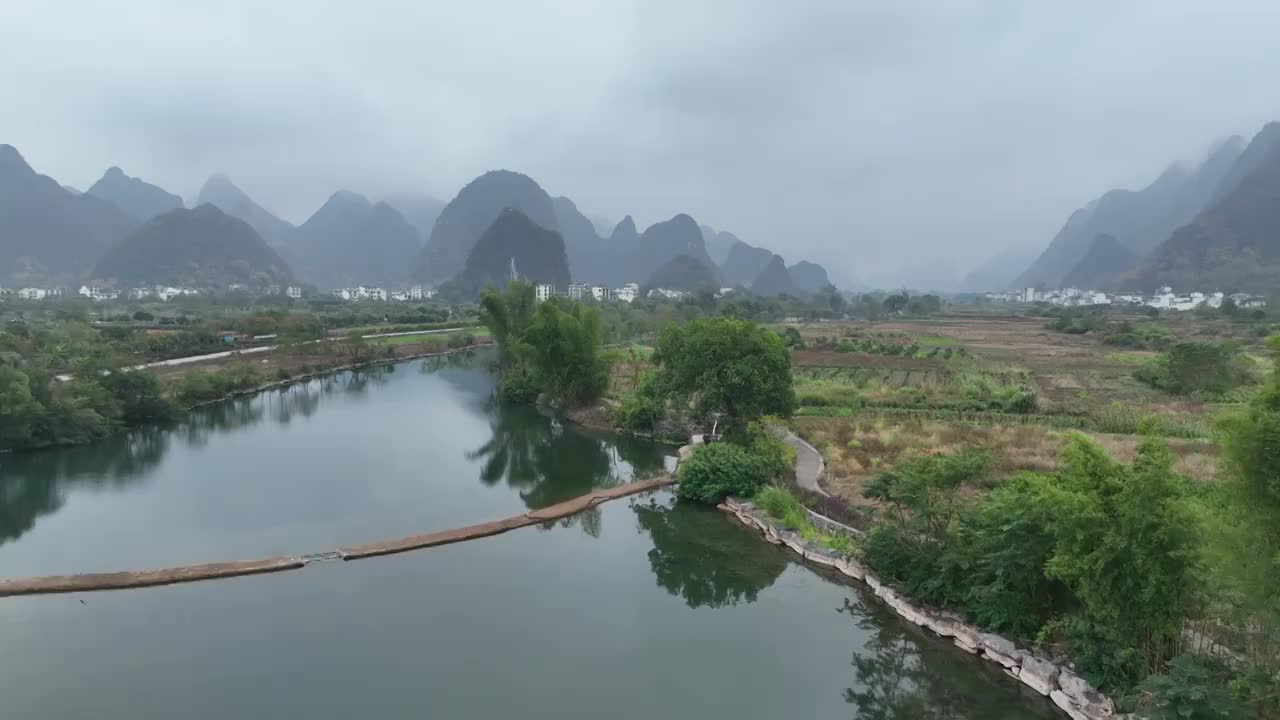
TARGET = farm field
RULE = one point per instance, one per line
(874, 394)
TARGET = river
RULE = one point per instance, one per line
(640, 608)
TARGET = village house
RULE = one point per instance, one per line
(627, 293)
(98, 294)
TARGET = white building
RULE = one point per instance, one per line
(168, 292)
(601, 293)
(627, 293)
(372, 293)
(543, 292)
(98, 294)
(668, 294)
(417, 292)
(1247, 301)
(294, 292)
(1029, 295)
(33, 293)
(579, 291)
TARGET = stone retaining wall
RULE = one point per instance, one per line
(1066, 689)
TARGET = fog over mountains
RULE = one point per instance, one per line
(501, 224)
(1211, 225)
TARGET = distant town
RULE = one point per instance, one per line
(1162, 299)
(574, 291)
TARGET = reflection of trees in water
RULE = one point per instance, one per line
(34, 484)
(223, 417)
(700, 556)
(358, 381)
(902, 675)
(301, 400)
(453, 360)
(548, 462)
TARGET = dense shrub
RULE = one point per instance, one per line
(721, 469)
(198, 386)
(1198, 368)
(142, 397)
(519, 387)
(1101, 557)
(777, 457)
(642, 408)
(1192, 688)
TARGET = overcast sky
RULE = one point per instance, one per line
(873, 137)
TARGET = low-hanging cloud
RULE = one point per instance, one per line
(875, 137)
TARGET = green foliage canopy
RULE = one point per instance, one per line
(726, 366)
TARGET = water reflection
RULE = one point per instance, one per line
(700, 557)
(36, 484)
(547, 462)
(901, 674)
(537, 457)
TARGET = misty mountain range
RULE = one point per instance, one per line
(124, 229)
(1212, 226)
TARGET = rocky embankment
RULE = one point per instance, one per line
(1066, 689)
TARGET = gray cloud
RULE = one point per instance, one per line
(872, 136)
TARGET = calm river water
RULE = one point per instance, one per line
(641, 608)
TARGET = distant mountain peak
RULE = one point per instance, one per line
(219, 190)
(139, 199)
(48, 234)
(470, 213)
(626, 228)
(515, 241)
(774, 279)
(12, 162)
(202, 247)
(349, 241)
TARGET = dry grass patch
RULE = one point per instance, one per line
(856, 448)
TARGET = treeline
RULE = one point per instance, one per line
(39, 410)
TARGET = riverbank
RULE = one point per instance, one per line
(1068, 691)
(312, 375)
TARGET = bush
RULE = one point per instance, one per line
(1198, 368)
(141, 396)
(718, 470)
(642, 408)
(781, 505)
(519, 388)
(1193, 688)
(777, 457)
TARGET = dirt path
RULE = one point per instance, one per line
(809, 464)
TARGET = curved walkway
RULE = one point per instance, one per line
(809, 464)
(88, 582)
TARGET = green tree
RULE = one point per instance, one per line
(923, 502)
(1199, 367)
(1129, 550)
(142, 397)
(19, 411)
(564, 353)
(508, 315)
(894, 304)
(1246, 547)
(726, 366)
